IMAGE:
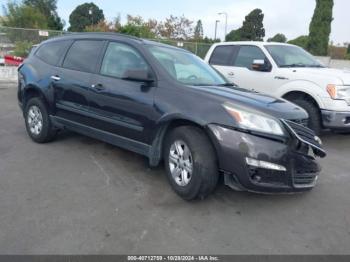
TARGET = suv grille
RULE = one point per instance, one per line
(306, 179)
(306, 136)
(303, 122)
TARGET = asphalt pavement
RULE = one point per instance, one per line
(77, 195)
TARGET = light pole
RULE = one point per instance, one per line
(92, 18)
(226, 16)
(216, 28)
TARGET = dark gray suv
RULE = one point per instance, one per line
(167, 104)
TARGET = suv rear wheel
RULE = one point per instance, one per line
(190, 163)
(37, 120)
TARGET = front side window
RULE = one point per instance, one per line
(291, 56)
(52, 52)
(119, 59)
(224, 55)
(185, 67)
(246, 56)
(83, 55)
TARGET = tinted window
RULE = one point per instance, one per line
(223, 55)
(120, 58)
(52, 52)
(83, 55)
(247, 54)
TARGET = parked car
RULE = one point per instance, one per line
(11, 60)
(288, 72)
(167, 104)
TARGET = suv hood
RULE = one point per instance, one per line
(343, 75)
(269, 105)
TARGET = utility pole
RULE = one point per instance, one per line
(216, 28)
(226, 16)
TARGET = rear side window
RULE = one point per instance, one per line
(224, 55)
(83, 55)
(52, 52)
(247, 54)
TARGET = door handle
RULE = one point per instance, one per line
(55, 78)
(231, 73)
(98, 87)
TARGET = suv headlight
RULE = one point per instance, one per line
(253, 121)
(339, 92)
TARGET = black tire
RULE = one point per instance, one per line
(47, 132)
(314, 114)
(204, 176)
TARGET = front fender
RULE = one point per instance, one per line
(307, 87)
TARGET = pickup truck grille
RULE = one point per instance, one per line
(305, 135)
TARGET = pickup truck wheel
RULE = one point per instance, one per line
(190, 163)
(37, 120)
(314, 115)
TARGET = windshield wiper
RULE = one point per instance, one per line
(294, 65)
(201, 84)
(302, 65)
(318, 66)
(226, 84)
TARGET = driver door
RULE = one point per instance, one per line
(246, 77)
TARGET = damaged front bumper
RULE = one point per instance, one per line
(267, 165)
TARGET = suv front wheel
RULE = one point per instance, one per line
(190, 163)
(37, 120)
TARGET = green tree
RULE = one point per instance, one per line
(49, 9)
(348, 50)
(176, 28)
(23, 16)
(251, 30)
(198, 31)
(136, 26)
(234, 35)
(280, 38)
(85, 15)
(320, 27)
(302, 41)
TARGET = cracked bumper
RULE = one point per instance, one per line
(233, 147)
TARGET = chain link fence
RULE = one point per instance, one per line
(19, 41)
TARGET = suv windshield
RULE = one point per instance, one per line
(187, 68)
(292, 56)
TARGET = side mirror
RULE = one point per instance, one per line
(138, 75)
(260, 65)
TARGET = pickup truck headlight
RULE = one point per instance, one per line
(339, 92)
(254, 121)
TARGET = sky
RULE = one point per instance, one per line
(290, 17)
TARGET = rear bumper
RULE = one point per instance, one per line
(336, 119)
(233, 147)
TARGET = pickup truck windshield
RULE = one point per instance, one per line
(291, 56)
(187, 68)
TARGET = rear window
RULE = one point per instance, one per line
(224, 55)
(51, 52)
(83, 55)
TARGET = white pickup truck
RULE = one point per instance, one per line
(287, 71)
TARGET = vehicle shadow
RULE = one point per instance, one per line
(155, 178)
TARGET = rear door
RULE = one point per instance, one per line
(72, 81)
(120, 106)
